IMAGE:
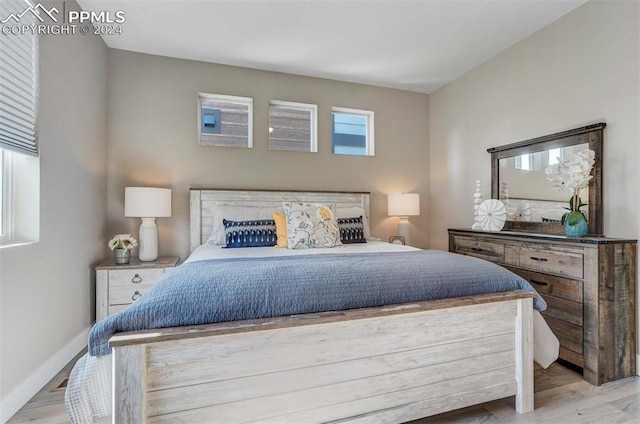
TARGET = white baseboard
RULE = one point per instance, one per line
(20, 395)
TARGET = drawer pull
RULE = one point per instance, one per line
(136, 296)
(477, 249)
(136, 279)
(534, 258)
(539, 283)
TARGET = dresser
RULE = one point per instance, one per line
(118, 286)
(589, 284)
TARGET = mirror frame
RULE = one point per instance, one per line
(591, 134)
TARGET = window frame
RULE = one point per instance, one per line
(369, 128)
(313, 122)
(6, 197)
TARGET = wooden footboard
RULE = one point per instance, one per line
(376, 365)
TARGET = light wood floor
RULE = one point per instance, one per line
(561, 397)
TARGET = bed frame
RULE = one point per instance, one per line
(388, 364)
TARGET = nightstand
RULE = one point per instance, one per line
(118, 286)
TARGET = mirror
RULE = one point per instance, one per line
(519, 180)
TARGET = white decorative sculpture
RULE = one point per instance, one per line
(477, 199)
(504, 194)
(523, 213)
(492, 215)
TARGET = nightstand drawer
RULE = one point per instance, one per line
(480, 249)
(118, 286)
(125, 295)
(117, 308)
(134, 277)
(561, 263)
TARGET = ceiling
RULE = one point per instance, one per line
(415, 45)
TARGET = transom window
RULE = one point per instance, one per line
(293, 126)
(352, 132)
(225, 121)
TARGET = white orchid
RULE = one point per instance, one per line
(572, 174)
(122, 241)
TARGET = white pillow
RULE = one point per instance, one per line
(311, 225)
(354, 212)
(235, 213)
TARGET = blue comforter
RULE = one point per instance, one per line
(235, 289)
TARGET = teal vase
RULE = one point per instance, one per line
(578, 230)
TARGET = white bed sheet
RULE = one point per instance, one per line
(212, 251)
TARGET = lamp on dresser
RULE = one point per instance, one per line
(403, 205)
(147, 203)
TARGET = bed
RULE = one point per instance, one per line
(388, 363)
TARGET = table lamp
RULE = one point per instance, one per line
(147, 203)
(403, 205)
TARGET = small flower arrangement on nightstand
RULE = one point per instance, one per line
(121, 244)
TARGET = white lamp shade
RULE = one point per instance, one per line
(403, 204)
(147, 202)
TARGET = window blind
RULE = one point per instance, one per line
(18, 82)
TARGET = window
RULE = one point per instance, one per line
(225, 121)
(555, 156)
(352, 132)
(523, 162)
(18, 127)
(292, 126)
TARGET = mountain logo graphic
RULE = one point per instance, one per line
(35, 11)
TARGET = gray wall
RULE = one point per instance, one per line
(46, 294)
(153, 141)
(581, 69)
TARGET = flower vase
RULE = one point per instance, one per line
(578, 230)
(122, 256)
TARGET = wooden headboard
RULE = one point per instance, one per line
(201, 201)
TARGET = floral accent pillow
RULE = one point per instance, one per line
(311, 225)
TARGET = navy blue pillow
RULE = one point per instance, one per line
(256, 233)
(351, 230)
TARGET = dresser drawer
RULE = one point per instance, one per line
(134, 277)
(563, 296)
(569, 335)
(568, 264)
(480, 249)
(553, 285)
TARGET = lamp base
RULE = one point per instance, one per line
(403, 229)
(148, 235)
